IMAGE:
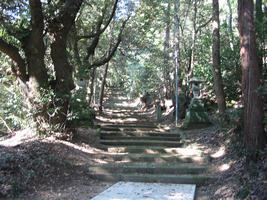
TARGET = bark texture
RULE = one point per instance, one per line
(254, 136)
(102, 89)
(167, 64)
(31, 68)
(217, 76)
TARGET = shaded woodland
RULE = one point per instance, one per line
(60, 61)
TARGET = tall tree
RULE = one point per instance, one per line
(166, 58)
(260, 28)
(93, 39)
(217, 76)
(102, 89)
(230, 23)
(31, 68)
(254, 136)
(176, 56)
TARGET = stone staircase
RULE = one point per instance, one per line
(138, 150)
(148, 153)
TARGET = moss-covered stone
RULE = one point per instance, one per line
(196, 115)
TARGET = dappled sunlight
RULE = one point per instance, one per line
(184, 151)
(111, 111)
(123, 104)
(87, 149)
(22, 136)
(224, 167)
(100, 161)
(122, 98)
(219, 153)
(225, 191)
(105, 119)
(196, 146)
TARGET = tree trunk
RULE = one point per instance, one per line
(254, 136)
(92, 83)
(32, 69)
(59, 28)
(37, 83)
(260, 33)
(166, 59)
(102, 90)
(191, 62)
(217, 76)
(230, 24)
(64, 80)
(176, 56)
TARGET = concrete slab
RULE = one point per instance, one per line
(147, 191)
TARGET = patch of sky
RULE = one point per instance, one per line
(126, 8)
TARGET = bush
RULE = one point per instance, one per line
(81, 112)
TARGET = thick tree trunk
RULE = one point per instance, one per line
(102, 89)
(37, 83)
(60, 27)
(254, 136)
(64, 80)
(32, 70)
(217, 76)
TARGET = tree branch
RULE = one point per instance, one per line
(203, 25)
(13, 53)
(6, 125)
(37, 19)
(96, 38)
(112, 51)
(66, 17)
(100, 30)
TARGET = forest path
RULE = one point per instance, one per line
(140, 150)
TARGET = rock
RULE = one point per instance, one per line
(196, 115)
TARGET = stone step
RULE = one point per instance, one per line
(149, 168)
(145, 143)
(112, 137)
(152, 134)
(127, 129)
(135, 127)
(154, 158)
(155, 178)
(132, 125)
(154, 150)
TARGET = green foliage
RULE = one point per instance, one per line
(236, 117)
(81, 113)
(243, 192)
(12, 110)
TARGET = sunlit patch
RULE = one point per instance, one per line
(105, 119)
(22, 136)
(219, 153)
(215, 25)
(150, 151)
(224, 167)
(184, 151)
(100, 161)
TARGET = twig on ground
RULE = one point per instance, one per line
(6, 125)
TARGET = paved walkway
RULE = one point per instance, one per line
(147, 191)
